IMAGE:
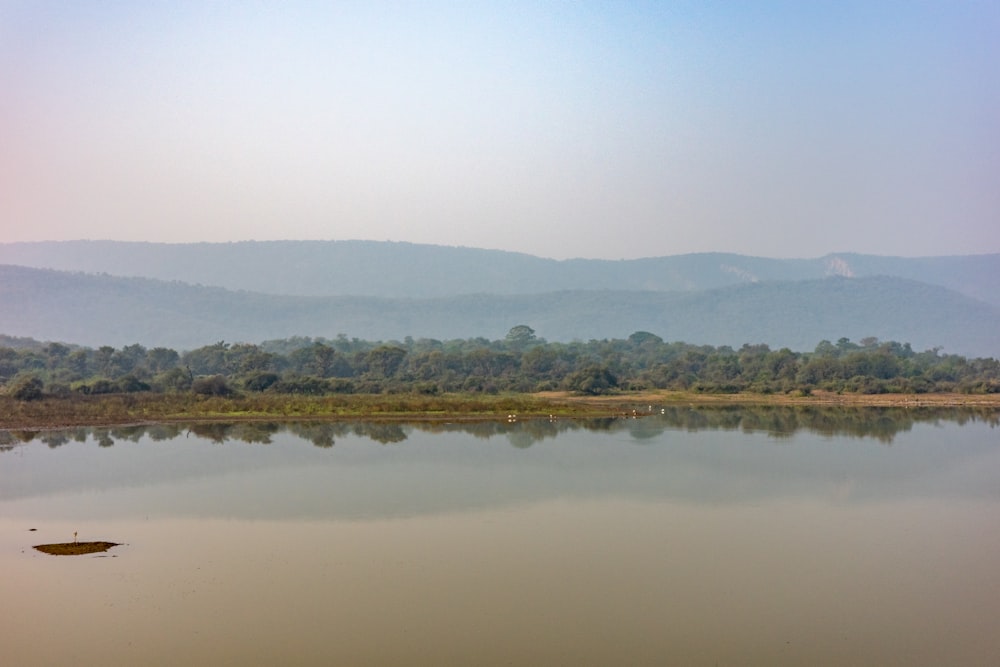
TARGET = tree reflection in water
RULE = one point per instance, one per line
(779, 422)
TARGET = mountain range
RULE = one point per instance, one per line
(188, 295)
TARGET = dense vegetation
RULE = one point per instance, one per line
(521, 362)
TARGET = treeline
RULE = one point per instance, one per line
(521, 362)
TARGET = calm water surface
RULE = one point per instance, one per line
(721, 537)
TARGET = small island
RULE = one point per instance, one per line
(75, 548)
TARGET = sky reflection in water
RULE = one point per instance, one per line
(354, 470)
(769, 536)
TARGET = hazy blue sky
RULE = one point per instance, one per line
(561, 129)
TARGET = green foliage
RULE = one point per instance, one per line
(214, 385)
(260, 380)
(319, 367)
(308, 385)
(131, 384)
(384, 361)
(520, 336)
(644, 338)
(28, 388)
(592, 380)
(174, 380)
(98, 386)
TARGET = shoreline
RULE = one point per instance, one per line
(132, 410)
(816, 398)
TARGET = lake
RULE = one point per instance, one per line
(762, 536)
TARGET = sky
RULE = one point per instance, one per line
(560, 129)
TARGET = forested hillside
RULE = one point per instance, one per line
(103, 310)
(406, 270)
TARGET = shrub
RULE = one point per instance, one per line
(213, 385)
(592, 380)
(260, 381)
(100, 386)
(27, 389)
(176, 379)
(131, 384)
(307, 385)
(340, 386)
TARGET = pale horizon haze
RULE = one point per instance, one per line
(559, 129)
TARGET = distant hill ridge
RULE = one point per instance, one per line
(392, 269)
(95, 310)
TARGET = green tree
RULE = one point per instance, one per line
(56, 353)
(102, 360)
(176, 379)
(385, 360)
(128, 360)
(162, 359)
(644, 338)
(520, 336)
(260, 380)
(593, 379)
(78, 364)
(208, 360)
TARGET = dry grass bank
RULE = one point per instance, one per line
(162, 408)
(817, 398)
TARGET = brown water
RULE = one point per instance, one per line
(586, 548)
